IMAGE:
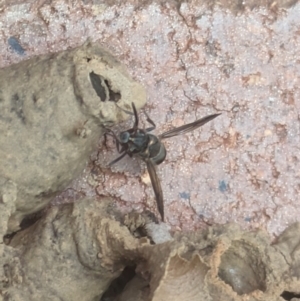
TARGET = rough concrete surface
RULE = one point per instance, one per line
(237, 58)
(193, 61)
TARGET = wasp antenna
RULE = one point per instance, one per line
(136, 122)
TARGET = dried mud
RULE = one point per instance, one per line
(53, 109)
(88, 251)
(52, 112)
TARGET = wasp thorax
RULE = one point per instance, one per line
(124, 137)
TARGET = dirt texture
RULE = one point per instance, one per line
(53, 109)
(237, 58)
(52, 112)
(87, 251)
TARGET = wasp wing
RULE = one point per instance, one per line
(187, 127)
(156, 187)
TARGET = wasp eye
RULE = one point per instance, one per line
(124, 137)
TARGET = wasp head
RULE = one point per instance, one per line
(124, 137)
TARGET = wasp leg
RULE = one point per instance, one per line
(126, 111)
(117, 159)
(118, 143)
(110, 133)
(151, 122)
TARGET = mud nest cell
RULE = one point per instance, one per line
(242, 268)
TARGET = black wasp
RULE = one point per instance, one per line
(138, 142)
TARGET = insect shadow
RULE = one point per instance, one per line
(139, 142)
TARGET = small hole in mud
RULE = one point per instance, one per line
(289, 295)
(98, 85)
(242, 268)
(113, 96)
(8, 237)
(31, 219)
(118, 285)
(103, 88)
(27, 222)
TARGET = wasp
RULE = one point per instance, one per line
(140, 143)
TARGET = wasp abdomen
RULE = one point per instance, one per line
(157, 150)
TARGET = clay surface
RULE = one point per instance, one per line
(87, 246)
(52, 112)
